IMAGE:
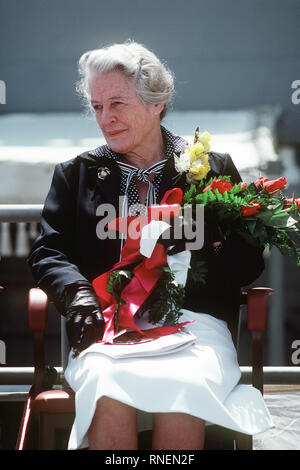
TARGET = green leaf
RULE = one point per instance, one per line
(201, 198)
(237, 187)
(226, 197)
(281, 220)
(251, 225)
(189, 194)
(210, 195)
(219, 196)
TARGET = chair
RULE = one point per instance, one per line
(49, 412)
(46, 409)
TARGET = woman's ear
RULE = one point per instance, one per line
(158, 107)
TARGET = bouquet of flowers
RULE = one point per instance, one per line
(259, 212)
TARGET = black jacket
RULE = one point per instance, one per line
(68, 249)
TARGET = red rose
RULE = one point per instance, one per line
(221, 185)
(244, 185)
(275, 185)
(259, 182)
(288, 202)
(252, 209)
(271, 186)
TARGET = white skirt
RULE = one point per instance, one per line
(200, 380)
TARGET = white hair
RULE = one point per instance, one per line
(154, 82)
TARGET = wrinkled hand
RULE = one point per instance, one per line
(84, 320)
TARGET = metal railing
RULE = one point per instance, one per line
(25, 217)
(272, 375)
(22, 215)
(20, 212)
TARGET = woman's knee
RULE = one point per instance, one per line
(114, 426)
(177, 431)
(114, 408)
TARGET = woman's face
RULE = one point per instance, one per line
(126, 122)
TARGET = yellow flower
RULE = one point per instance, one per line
(196, 151)
(200, 168)
(198, 172)
(195, 160)
(204, 138)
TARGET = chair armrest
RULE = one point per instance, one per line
(37, 309)
(37, 320)
(257, 308)
(257, 312)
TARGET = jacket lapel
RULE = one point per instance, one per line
(170, 179)
(170, 176)
(104, 180)
(104, 173)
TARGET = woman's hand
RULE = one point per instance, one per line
(84, 320)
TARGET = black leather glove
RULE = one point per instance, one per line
(212, 235)
(169, 238)
(84, 320)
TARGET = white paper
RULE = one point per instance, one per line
(156, 347)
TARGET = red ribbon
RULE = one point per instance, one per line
(145, 274)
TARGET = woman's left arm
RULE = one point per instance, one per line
(237, 261)
(229, 169)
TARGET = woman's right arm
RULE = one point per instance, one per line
(52, 256)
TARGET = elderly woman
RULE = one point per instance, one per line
(129, 90)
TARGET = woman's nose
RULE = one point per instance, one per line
(107, 117)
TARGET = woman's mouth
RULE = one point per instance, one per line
(115, 133)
